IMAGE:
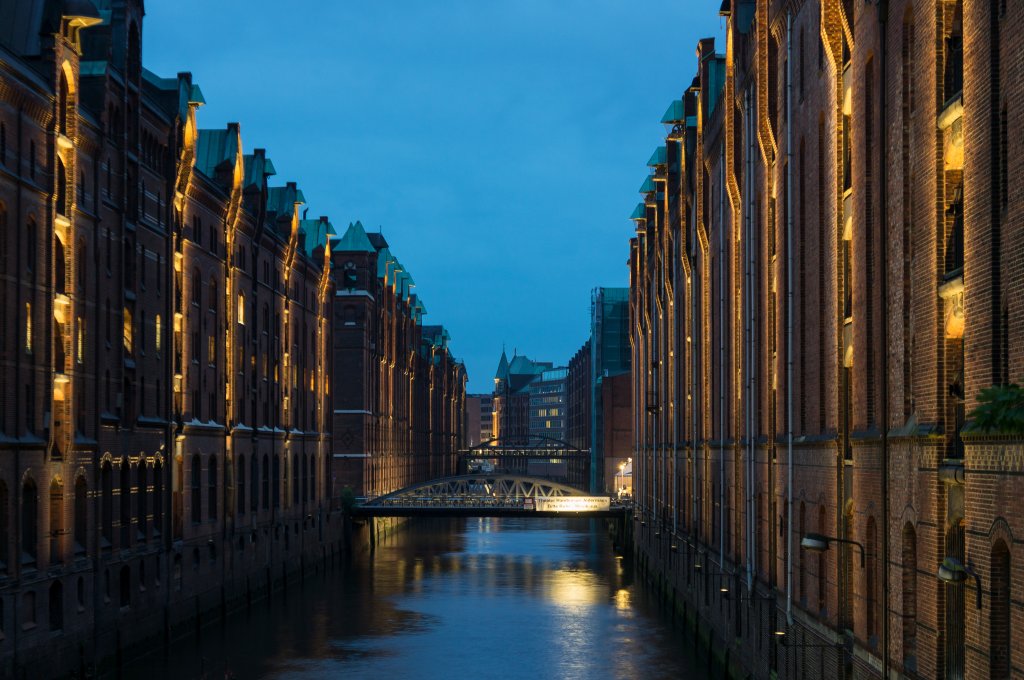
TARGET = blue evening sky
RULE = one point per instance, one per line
(498, 145)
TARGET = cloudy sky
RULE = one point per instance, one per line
(498, 145)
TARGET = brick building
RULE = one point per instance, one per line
(164, 427)
(478, 418)
(400, 395)
(820, 287)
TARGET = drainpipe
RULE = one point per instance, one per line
(694, 367)
(675, 387)
(721, 359)
(748, 190)
(883, 17)
(789, 318)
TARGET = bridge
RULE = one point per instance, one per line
(532, 456)
(489, 495)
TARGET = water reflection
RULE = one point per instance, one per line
(478, 598)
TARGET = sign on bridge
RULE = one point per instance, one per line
(573, 504)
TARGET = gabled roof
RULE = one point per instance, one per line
(282, 200)
(257, 168)
(214, 147)
(502, 372)
(377, 239)
(354, 240)
(317, 232)
(639, 212)
(648, 185)
(674, 113)
(659, 157)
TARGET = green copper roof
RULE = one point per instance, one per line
(639, 212)
(317, 232)
(648, 185)
(354, 240)
(383, 258)
(659, 157)
(675, 113)
(215, 147)
(502, 372)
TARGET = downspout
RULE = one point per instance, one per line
(883, 17)
(675, 383)
(695, 365)
(721, 359)
(789, 318)
(748, 190)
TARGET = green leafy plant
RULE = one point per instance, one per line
(347, 498)
(1000, 410)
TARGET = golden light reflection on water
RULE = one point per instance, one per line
(623, 599)
(573, 589)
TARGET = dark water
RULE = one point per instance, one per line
(468, 598)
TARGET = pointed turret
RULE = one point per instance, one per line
(502, 373)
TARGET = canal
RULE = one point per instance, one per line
(462, 598)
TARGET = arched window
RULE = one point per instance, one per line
(312, 478)
(305, 479)
(81, 514)
(29, 522)
(5, 536)
(872, 579)
(241, 309)
(107, 503)
(295, 478)
(803, 567)
(197, 288)
(141, 496)
(254, 478)
(30, 247)
(266, 482)
(126, 502)
(909, 607)
(62, 188)
(56, 605)
(241, 485)
(197, 498)
(126, 586)
(211, 499)
(28, 607)
(276, 489)
(212, 295)
(999, 612)
(56, 519)
(158, 497)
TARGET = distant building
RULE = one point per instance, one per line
(547, 404)
(399, 394)
(478, 418)
(511, 413)
(604, 356)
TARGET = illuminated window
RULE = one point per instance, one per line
(127, 330)
(241, 309)
(211, 348)
(158, 330)
(28, 327)
(81, 340)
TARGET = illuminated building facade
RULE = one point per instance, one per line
(821, 280)
(163, 430)
(478, 418)
(400, 402)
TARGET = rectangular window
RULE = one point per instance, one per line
(28, 327)
(211, 349)
(127, 330)
(81, 340)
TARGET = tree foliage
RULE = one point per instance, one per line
(1000, 410)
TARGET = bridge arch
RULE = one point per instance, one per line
(466, 489)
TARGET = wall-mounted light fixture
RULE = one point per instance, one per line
(953, 572)
(820, 543)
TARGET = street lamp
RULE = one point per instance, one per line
(820, 543)
(781, 636)
(953, 572)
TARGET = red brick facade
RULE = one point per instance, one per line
(823, 266)
(164, 427)
(400, 398)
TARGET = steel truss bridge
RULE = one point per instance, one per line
(524, 447)
(478, 495)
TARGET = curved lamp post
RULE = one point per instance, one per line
(953, 572)
(820, 543)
